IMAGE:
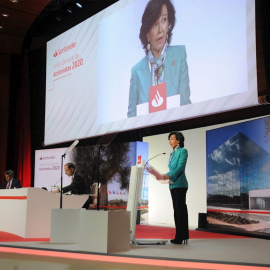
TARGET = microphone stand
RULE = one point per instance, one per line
(98, 182)
(61, 185)
(62, 161)
(153, 157)
(56, 182)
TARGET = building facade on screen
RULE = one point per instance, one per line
(238, 175)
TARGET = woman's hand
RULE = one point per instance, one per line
(166, 176)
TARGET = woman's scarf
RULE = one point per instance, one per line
(172, 153)
(157, 72)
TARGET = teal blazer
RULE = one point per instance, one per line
(175, 76)
(177, 166)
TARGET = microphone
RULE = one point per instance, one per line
(71, 147)
(154, 157)
(56, 182)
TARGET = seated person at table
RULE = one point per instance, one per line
(78, 184)
(11, 182)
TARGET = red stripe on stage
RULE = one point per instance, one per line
(122, 206)
(126, 260)
(112, 206)
(239, 211)
(13, 197)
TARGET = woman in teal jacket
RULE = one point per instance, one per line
(162, 63)
(178, 186)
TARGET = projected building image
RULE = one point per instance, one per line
(238, 175)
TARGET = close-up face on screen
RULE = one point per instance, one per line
(141, 63)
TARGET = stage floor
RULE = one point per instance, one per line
(216, 253)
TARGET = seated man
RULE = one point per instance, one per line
(78, 184)
(11, 182)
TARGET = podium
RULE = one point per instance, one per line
(92, 230)
(134, 198)
(27, 211)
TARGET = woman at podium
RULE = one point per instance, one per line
(178, 185)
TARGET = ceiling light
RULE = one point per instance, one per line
(5, 15)
(14, 1)
(69, 10)
(78, 4)
(1, 26)
(59, 17)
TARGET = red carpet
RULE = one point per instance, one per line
(155, 232)
(142, 232)
(9, 237)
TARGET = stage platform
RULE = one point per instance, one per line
(204, 251)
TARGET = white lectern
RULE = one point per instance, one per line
(27, 211)
(134, 197)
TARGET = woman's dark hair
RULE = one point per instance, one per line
(151, 14)
(179, 137)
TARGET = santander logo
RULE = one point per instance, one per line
(46, 157)
(157, 97)
(158, 100)
(64, 49)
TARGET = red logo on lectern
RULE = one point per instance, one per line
(157, 98)
(139, 161)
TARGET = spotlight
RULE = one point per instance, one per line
(59, 18)
(5, 15)
(78, 4)
(69, 10)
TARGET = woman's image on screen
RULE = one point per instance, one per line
(162, 63)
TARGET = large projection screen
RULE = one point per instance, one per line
(88, 73)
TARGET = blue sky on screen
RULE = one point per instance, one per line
(254, 130)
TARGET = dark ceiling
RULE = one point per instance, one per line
(21, 15)
(30, 23)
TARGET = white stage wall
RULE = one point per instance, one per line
(160, 204)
